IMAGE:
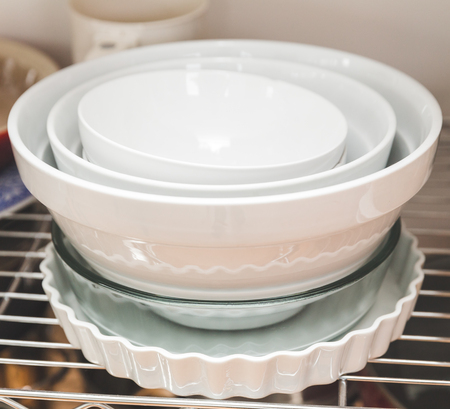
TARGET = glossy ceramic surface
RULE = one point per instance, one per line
(370, 118)
(282, 358)
(123, 230)
(209, 127)
(97, 294)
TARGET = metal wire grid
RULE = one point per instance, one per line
(427, 216)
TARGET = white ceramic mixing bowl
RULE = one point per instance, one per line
(209, 127)
(370, 118)
(138, 234)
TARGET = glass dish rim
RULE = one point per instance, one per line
(380, 255)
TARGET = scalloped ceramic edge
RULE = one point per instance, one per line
(239, 375)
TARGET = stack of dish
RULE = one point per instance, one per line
(229, 185)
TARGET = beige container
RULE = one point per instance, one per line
(102, 27)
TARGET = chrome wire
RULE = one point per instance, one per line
(150, 401)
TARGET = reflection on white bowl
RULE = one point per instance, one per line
(97, 294)
(120, 229)
(209, 127)
(370, 118)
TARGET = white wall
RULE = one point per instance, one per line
(412, 35)
(41, 23)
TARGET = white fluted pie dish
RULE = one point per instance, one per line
(282, 358)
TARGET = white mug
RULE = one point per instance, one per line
(102, 27)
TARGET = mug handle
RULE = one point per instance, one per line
(111, 41)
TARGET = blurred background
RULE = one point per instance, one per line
(411, 35)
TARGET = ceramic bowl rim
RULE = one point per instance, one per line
(22, 149)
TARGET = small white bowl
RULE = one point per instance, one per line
(370, 119)
(210, 127)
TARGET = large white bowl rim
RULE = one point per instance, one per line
(286, 211)
(87, 68)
